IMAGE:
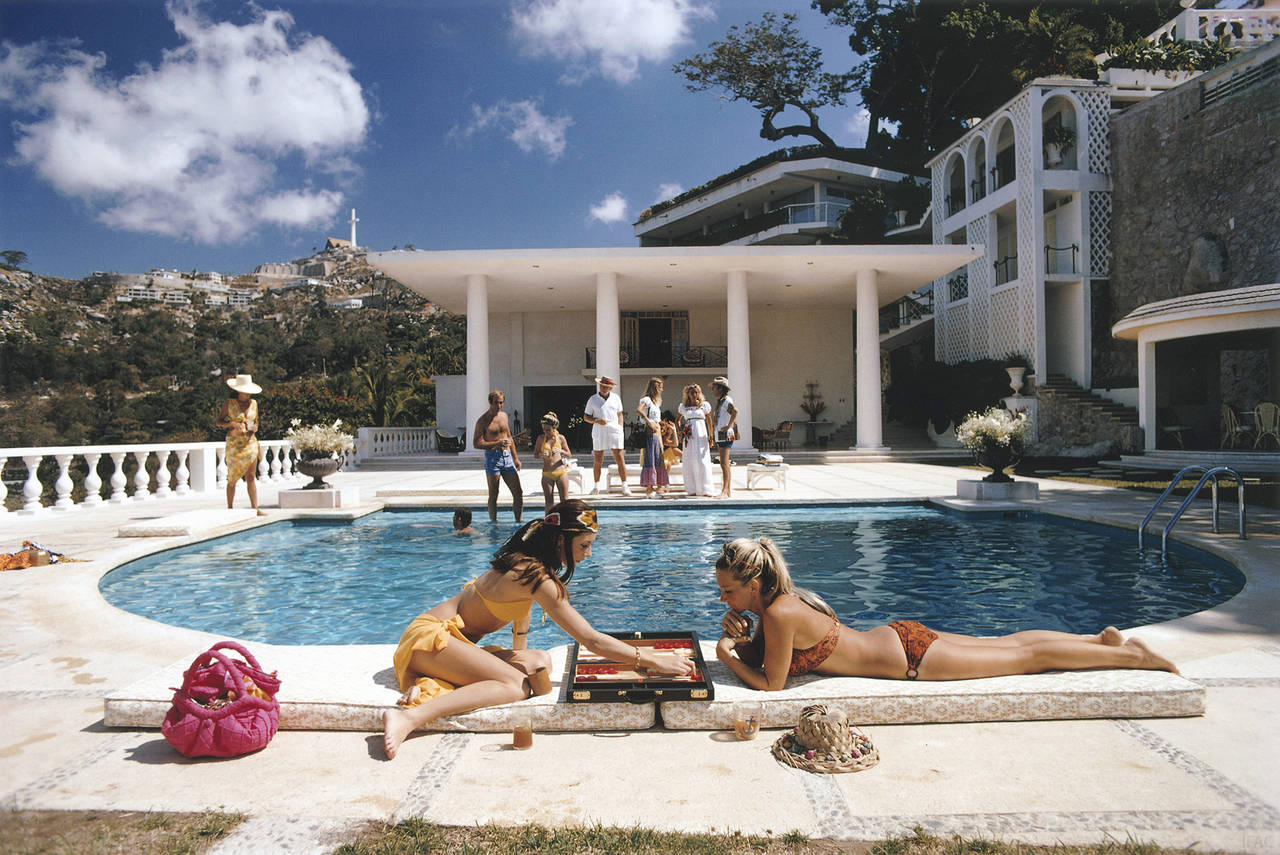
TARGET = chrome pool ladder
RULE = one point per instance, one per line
(1210, 475)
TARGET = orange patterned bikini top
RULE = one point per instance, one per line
(504, 611)
(804, 661)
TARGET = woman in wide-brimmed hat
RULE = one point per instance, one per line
(726, 423)
(239, 418)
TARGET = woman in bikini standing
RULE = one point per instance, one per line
(552, 448)
(443, 672)
(799, 633)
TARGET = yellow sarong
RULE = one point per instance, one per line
(242, 449)
(429, 633)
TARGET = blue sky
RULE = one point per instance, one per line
(219, 135)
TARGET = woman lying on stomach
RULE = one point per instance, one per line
(441, 670)
(799, 633)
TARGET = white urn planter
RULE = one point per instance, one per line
(1016, 373)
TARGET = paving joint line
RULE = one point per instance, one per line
(432, 777)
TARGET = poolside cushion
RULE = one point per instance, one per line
(341, 687)
(1112, 693)
(187, 523)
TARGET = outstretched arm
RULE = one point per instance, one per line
(567, 618)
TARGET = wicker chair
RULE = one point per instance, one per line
(779, 437)
(447, 442)
(1232, 430)
(1267, 420)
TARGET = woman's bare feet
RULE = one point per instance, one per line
(396, 727)
(1151, 660)
(1111, 637)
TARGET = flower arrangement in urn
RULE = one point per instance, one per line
(320, 449)
(316, 441)
(811, 401)
(995, 438)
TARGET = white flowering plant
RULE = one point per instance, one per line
(997, 426)
(319, 440)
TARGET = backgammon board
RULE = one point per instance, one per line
(595, 679)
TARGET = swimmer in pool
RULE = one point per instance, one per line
(441, 669)
(799, 633)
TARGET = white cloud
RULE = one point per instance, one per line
(859, 124)
(668, 190)
(611, 209)
(525, 123)
(613, 35)
(199, 145)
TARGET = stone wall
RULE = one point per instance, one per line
(1068, 428)
(1195, 201)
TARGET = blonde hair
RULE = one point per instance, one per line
(551, 419)
(653, 390)
(688, 390)
(746, 559)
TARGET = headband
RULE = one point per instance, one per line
(584, 520)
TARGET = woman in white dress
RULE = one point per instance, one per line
(695, 418)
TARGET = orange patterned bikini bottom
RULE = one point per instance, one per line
(916, 638)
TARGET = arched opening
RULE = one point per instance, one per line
(955, 185)
(1005, 169)
(978, 159)
(1059, 133)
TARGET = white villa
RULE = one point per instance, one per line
(541, 323)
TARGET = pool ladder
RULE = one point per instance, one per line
(1210, 475)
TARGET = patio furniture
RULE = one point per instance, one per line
(777, 472)
(1266, 418)
(447, 442)
(779, 437)
(1232, 429)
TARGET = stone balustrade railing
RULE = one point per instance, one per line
(107, 472)
(374, 442)
(1248, 27)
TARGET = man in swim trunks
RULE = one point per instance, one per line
(493, 436)
(604, 412)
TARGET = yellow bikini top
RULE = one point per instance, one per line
(504, 611)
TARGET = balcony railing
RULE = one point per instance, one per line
(1061, 259)
(905, 311)
(977, 189)
(958, 287)
(682, 356)
(1006, 269)
(954, 203)
(64, 478)
(1246, 27)
(827, 213)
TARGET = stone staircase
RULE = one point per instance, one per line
(1076, 417)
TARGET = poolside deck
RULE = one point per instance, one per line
(1207, 780)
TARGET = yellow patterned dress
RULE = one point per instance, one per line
(242, 448)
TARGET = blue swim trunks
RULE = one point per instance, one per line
(498, 460)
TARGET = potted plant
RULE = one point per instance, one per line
(995, 438)
(320, 450)
(1016, 366)
(1057, 139)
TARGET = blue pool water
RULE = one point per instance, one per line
(363, 581)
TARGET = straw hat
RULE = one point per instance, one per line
(825, 742)
(608, 380)
(722, 382)
(244, 383)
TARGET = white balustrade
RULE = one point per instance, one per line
(389, 441)
(200, 468)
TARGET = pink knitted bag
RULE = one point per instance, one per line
(225, 707)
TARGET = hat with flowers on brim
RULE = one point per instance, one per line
(606, 380)
(824, 741)
(244, 383)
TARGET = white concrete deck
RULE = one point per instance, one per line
(1208, 780)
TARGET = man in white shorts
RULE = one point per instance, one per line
(604, 413)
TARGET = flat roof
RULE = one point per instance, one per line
(527, 280)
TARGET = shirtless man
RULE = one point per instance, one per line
(493, 435)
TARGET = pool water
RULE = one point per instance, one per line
(361, 582)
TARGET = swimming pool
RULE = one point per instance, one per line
(361, 582)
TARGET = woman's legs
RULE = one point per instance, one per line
(1033, 652)
(231, 494)
(548, 495)
(563, 486)
(483, 679)
(251, 486)
(724, 471)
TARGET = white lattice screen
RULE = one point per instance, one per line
(1004, 324)
(1029, 273)
(1098, 105)
(980, 279)
(958, 328)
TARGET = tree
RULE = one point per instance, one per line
(773, 68)
(929, 65)
(14, 257)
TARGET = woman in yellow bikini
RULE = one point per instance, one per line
(552, 448)
(239, 417)
(799, 633)
(441, 669)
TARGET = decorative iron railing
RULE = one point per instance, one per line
(958, 287)
(977, 189)
(682, 356)
(1006, 269)
(906, 310)
(1055, 258)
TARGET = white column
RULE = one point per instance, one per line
(608, 328)
(870, 432)
(1147, 391)
(477, 351)
(738, 318)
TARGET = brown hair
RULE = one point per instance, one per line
(534, 552)
(653, 390)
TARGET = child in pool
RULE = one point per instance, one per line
(799, 633)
